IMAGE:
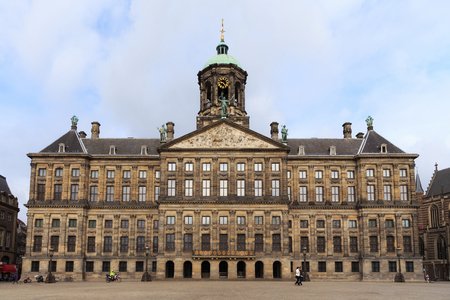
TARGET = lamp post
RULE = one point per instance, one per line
(50, 277)
(399, 276)
(305, 274)
(146, 276)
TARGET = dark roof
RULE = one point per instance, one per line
(418, 184)
(4, 185)
(373, 143)
(315, 146)
(130, 146)
(440, 182)
(70, 140)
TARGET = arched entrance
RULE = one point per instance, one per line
(205, 269)
(223, 269)
(5, 259)
(170, 269)
(187, 269)
(259, 269)
(277, 269)
(241, 269)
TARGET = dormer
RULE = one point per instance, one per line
(383, 148)
(112, 150)
(301, 150)
(332, 150)
(144, 150)
(61, 148)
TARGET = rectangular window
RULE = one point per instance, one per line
(336, 224)
(288, 174)
(126, 193)
(37, 247)
(275, 188)
(170, 242)
(337, 244)
(223, 188)
(240, 167)
(188, 220)
(94, 193)
(206, 242)
(140, 244)
(319, 174)
(110, 174)
(302, 174)
(42, 172)
(72, 222)
(372, 223)
(389, 223)
(320, 224)
(126, 174)
(124, 224)
(189, 167)
(392, 266)
(122, 266)
(375, 266)
(334, 174)
(54, 243)
(386, 173)
(373, 241)
(123, 244)
(109, 193)
(58, 172)
(58, 192)
(75, 172)
(108, 223)
(171, 167)
(206, 220)
(89, 266)
(303, 223)
(142, 174)
(171, 188)
(407, 244)
(241, 188)
(303, 194)
(369, 172)
(334, 194)
(41, 192)
(206, 167)
(304, 243)
(275, 167)
(92, 224)
(94, 174)
(350, 174)
(276, 220)
(240, 242)
(353, 244)
(187, 245)
(154, 264)
(139, 266)
(223, 242)
(241, 220)
(223, 167)
(55, 223)
(258, 187)
(355, 266)
(156, 193)
(35, 266)
(106, 266)
(409, 266)
(405, 223)
(69, 266)
(258, 220)
(141, 224)
(338, 266)
(404, 192)
(259, 242)
(170, 220)
(390, 244)
(321, 244)
(74, 192)
(352, 223)
(289, 192)
(322, 266)
(155, 224)
(71, 243)
(319, 193)
(276, 242)
(258, 167)
(155, 244)
(206, 188)
(189, 187)
(38, 223)
(402, 172)
(223, 220)
(387, 192)
(142, 193)
(107, 247)
(290, 245)
(370, 192)
(351, 193)
(91, 244)
(157, 174)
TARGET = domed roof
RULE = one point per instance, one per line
(222, 56)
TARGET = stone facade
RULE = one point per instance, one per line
(9, 208)
(223, 201)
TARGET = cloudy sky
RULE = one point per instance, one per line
(312, 65)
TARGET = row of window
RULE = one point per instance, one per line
(338, 266)
(2, 216)
(94, 173)
(5, 238)
(106, 266)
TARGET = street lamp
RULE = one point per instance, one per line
(305, 274)
(50, 277)
(146, 276)
(399, 276)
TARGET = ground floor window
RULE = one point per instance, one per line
(35, 266)
(392, 266)
(54, 266)
(153, 266)
(69, 266)
(355, 266)
(89, 266)
(338, 266)
(106, 266)
(122, 266)
(139, 266)
(322, 266)
(375, 266)
(409, 266)
(305, 267)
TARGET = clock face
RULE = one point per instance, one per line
(222, 83)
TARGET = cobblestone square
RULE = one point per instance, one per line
(187, 290)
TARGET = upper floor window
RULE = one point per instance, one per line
(434, 216)
(171, 167)
(370, 192)
(59, 172)
(188, 220)
(188, 187)
(275, 187)
(72, 222)
(351, 193)
(352, 223)
(258, 220)
(170, 220)
(334, 174)
(206, 188)
(386, 173)
(94, 174)
(141, 224)
(258, 167)
(319, 174)
(110, 174)
(350, 174)
(157, 174)
(275, 167)
(223, 187)
(336, 223)
(38, 223)
(55, 223)
(142, 174)
(303, 223)
(124, 224)
(404, 192)
(206, 167)
(92, 224)
(405, 223)
(383, 148)
(127, 174)
(389, 223)
(303, 194)
(302, 174)
(288, 174)
(276, 220)
(42, 172)
(319, 193)
(223, 220)
(240, 187)
(75, 172)
(240, 167)
(206, 220)
(369, 172)
(258, 187)
(372, 223)
(320, 224)
(189, 167)
(241, 220)
(108, 223)
(402, 173)
(171, 188)
(223, 167)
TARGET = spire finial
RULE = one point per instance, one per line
(222, 31)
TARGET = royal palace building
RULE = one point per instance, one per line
(223, 201)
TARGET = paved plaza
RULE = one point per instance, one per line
(197, 290)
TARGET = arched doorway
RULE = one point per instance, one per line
(187, 269)
(205, 269)
(241, 269)
(223, 269)
(170, 269)
(277, 269)
(5, 259)
(259, 269)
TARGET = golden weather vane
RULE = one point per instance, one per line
(222, 31)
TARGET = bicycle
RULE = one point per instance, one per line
(68, 279)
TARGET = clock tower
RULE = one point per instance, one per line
(222, 78)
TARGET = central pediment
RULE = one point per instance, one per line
(221, 135)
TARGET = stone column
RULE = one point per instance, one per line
(197, 177)
(379, 183)
(232, 182)
(84, 183)
(179, 179)
(415, 234)
(329, 236)
(49, 183)
(382, 235)
(296, 236)
(285, 232)
(161, 232)
(46, 234)
(398, 231)
(232, 231)
(29, 240)
(214, 177)
(345, 240)
(250, 243)
(66, 183)
(132, 238)
(196, 233)
(364, 246)
(118, 185)
(311, 184)
(134, 186)
(99, 236)
(312, 235)
(267, 172)
(148, 233)
(214, 235)
(249, 173)
(178, 235)
(101, 185)
(267, 238)
(32, 184)
(284, 181)
(63, 239)
(327, 185)
(115, 237)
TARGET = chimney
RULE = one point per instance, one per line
(82, 134)
(274, 130)
(360, 135)
(95, 131)
(170, 130)
(347, 130)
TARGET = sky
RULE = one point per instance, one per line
(312, 65)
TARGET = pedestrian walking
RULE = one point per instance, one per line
(15, 278)
(428, 278)
(301, 275)
(297, 276)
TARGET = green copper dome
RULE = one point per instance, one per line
(222, 56)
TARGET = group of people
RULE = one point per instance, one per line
(299, 276)
(11, 277)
